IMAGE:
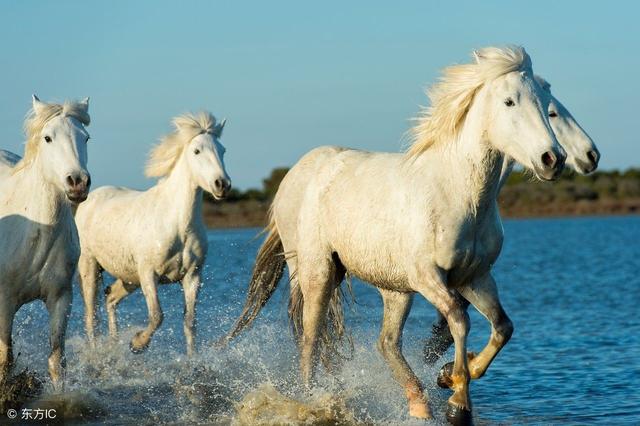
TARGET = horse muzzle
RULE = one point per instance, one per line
(551, 166)
(589, 166)
(221, 188)
(78, 185)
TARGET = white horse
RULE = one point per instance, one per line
(582, 156)
(40, 250)
(155, 236)
(422, 222)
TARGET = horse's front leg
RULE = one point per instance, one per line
(149, 286)
(483, 294)
(396, 309)
(59, 307)
(440, 339)
(190, 285)
(431, 283)
(7, 313)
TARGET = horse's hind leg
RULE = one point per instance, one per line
(114, 295)
(440, 339)
(90, 279)
(396, 309)
(483, 295)
(316, 279)
(190, 285)
(59, 307)
(149, 286)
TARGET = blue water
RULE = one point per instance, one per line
(571, 287)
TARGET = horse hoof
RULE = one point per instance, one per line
(137, 349)
(459, 416)
(419, 410)
(444, 376)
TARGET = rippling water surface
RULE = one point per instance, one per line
(571, 287)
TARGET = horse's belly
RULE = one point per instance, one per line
(376, 269)
(121, 267)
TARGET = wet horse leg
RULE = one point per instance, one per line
(59, 307)
(114, 295)
(149, 285)
(483, 295)
(440, 339)
(315, 278)
(431, 283)
(90, 279)
(396, 309)
(191, 285)
(7, 313)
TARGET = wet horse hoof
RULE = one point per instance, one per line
(459, 416)
(444, 376)
(137, 348)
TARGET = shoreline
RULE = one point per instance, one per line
(253, 213)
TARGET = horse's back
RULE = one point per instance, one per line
(289, 198)
(8, 160)
(103, 199)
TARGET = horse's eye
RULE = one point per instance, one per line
(197, 151)
(47, 139)
(553, 114)
(509, 102)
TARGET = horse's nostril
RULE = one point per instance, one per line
(549, 159)
(593, 156)
(218, 184)
(71, 181)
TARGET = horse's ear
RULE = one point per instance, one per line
(84, 103)
(221, 126)
(38, 105)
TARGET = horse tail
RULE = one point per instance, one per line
(334, 334)
(266, 275)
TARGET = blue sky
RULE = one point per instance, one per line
(290, 76)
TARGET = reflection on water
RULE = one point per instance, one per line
(571, 287)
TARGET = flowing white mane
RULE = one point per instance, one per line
(164, 155)
(34, 123)
(453, 94)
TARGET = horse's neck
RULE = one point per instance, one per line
(183, 196)
(466, 171)
(38, 200)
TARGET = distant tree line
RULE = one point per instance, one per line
(522, 188)
(267, 192)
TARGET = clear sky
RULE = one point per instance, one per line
(290, 76)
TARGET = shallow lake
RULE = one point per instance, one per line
(571, 287)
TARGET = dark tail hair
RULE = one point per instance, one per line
(267, 273)
(264, 280)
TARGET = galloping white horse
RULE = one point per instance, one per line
(40, 250)
(582, 156)
(155, 236)
(422, 222)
